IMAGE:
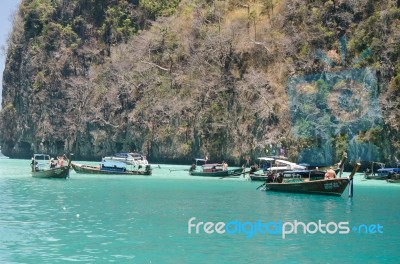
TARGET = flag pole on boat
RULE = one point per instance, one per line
(341, 163)
(351, 178)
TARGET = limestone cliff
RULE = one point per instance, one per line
(182, 79)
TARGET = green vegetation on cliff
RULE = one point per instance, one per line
(181, 79)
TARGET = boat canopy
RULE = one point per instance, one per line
(277, 157)
(200, 160)
(212, 165)
(389, 170)
(121, 155)
(136, 155)
(285, 162)
(266, 159)
(41, 156)
(128, 155)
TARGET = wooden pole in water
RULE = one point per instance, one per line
(355, 169)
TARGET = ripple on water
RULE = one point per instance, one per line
(145, 220)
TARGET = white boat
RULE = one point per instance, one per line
(268, 166)
(135, 159)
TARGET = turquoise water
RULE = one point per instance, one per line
(139, 219)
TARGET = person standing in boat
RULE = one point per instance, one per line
(34, 164)
(224, 166)
(61, 161)
(330, 174)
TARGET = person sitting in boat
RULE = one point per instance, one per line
(330, 174)
(271, 177)
(279, 177)
(52, 163)
(193, 167)
(253, 168)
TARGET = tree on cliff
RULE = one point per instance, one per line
(178, 79)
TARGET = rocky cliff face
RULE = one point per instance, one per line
(184, 79)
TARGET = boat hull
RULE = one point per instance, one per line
(394, 178)
(61, 173)
(376, 177)
(393, 181)
(258, 177)
(226, 173)
(87, 169)
(333, 187)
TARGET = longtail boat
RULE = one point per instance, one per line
(334, 186)
(382, 173)
(326, 187)
(108, 167)
(213, 170)
(41, 167)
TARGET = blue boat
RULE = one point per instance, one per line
(380, 174)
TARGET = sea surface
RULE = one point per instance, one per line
(145, 219)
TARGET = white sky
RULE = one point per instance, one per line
(7, 9)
